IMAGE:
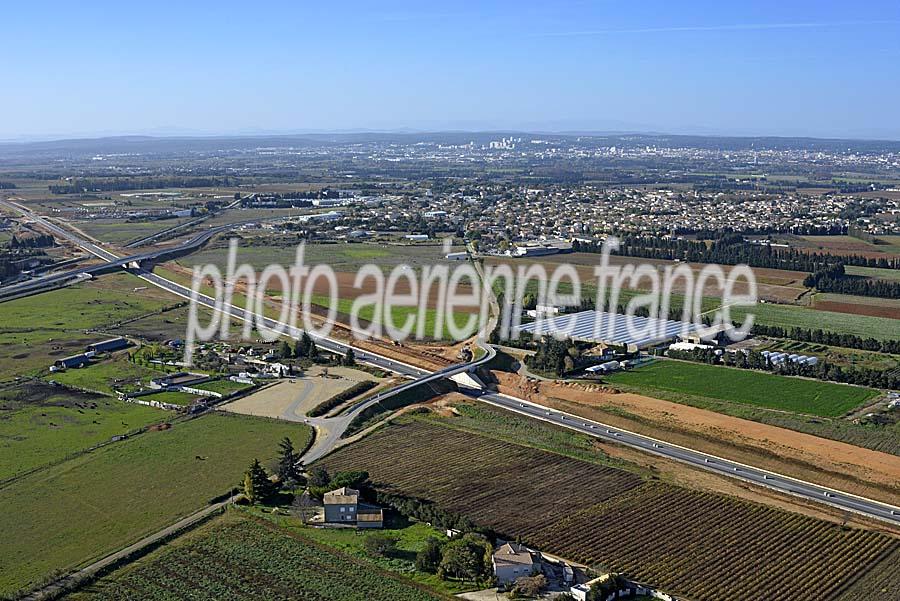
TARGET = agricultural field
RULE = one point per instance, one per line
(107, 376)
(88, 506)
(746, 387)
(399, 316)
(859, 305)
(167, 325)
(410, 535)
(238, 557)
(37, 330)
(342, 257)
(42, 424)
(119, 232)
(172, 397)
(891, 275)
(848, 245)
(520, 489)
(711, 546)
(794, 316)
(704, 546)
(345, 258)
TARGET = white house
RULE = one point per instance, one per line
(512, 561)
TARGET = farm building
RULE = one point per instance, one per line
(604, 368)
(177, 380)
(73, 361)
(611, 328)
(512, 561)
(342, 506)
(113, 344)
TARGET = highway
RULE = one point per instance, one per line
(710, 463)
(777, 482)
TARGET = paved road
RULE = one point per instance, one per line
(784, 484)
(329, 436)
(711, 463)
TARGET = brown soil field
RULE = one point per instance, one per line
(825, 462)
(858, 309)
(773, 284)
(414, 355)
(841, 246)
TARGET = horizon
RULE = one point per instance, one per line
(99, 137)
(709, 70)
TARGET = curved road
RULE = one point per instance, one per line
(778, 482)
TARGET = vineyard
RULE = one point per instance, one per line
(881, 582)
(714, 547)
(702, 545)
(240, 558)
(509, 488)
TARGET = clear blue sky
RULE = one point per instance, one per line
(822, 68)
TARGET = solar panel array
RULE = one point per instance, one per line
(611, 328)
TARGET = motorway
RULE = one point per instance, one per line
(784, 484)
(710, 463)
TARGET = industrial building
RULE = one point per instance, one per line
(610, 328)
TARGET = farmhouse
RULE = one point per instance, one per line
(512, 561)
(342, 506)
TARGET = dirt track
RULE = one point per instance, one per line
(820, 460)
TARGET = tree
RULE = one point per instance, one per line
(304, 347)
(528, 586)
(349, 478)
(287, 463)
(428, 559)
(304, 507)
(284, 350)
(257, 486)
(466, 558)
(380, 543)
(350, 358)
(318, 476)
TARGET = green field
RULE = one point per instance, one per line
(106, 377)
(40, 424)
(745, 387)
(340, 256)
(87, 507)
(121, 232)
(399, 315)
(791, 316)
(892, 275)
(237, 557)
(37, 330)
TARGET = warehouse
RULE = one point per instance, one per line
(611, 328)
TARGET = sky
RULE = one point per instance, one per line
(758, 67)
